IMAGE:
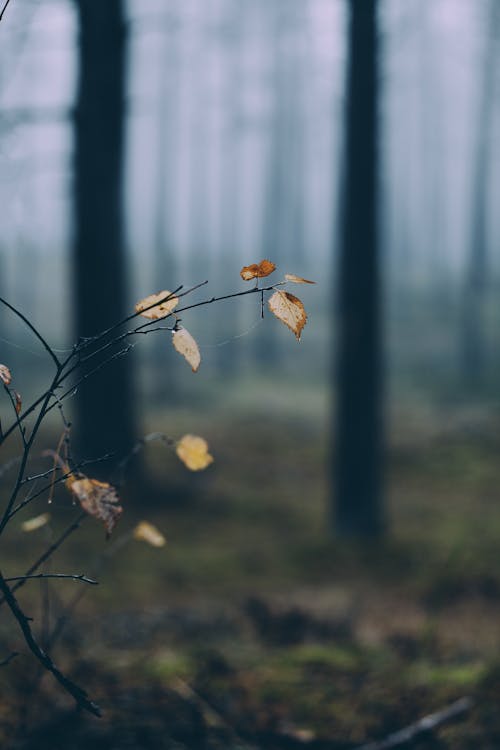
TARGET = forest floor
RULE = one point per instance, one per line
(253, 627)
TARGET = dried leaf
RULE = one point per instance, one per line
(18, 403)
(158, 311)
(193, 452)
(5, 375)
(257, 270)
(98, 499)
(185, 344)
(32, 524)
(290, 310)
(297, 279)
(146, 532)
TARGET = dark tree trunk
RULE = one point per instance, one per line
(359, 428)
(476, 272)
(105, 413)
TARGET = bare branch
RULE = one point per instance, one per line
(71, 687)
(4, 9)
(72, 576)
(5, 662)
(50, 550)
(426, 724)
(19, 314)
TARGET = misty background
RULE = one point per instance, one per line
(234, 152)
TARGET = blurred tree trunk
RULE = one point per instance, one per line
(105, 404)
(165, 269)
(359, 427)
(476, 271)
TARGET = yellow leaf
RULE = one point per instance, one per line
(290, 310)
(98, 499)
(185, 344)
(257, 270)
(193, 452)
(146, 532)
(32, 524)
(5, 374)
(297, 279)
(160, 310)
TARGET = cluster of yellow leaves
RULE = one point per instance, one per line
(193, 452)
(5, 375)
(285, 306)
(150, 309)
(98, 499)
(6, 379)
(146, 532)
(186, 345)
(257, 270)
(35, 523)
(289, 309)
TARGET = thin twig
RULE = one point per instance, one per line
(72, 576)
(71, 687)
(50, 550)
(426, 724)
(4, 9)
(25, 320)
(5, 662)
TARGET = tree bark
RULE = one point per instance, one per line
(105, 404)
(357, 477)
(474, 347)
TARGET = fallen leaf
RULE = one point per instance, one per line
(146, 532)
(193, 452)
(5, 374)
(18, 403)
(290, 310)
(297, 279)
(98, 499)
(257, 270)
(185, 344)
(158, 311)
(32, 524)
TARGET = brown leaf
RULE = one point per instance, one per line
(185, 344)
(32, 524)
(98, 499)
(18, 403)
(5, 375)
(297, 279)
(257, 270)
(158, 311)
(290, 310)
(193, 452)
(146, 532)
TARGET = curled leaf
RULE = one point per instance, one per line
(160, 310)
(257, 270)
(146, 532)
(18, 403)
(98, 499)
(297, 279)
(185, 344)
(5, 374)
(193, 452)
(290, 310)
(32, 524)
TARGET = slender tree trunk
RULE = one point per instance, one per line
(105, 404)
(359, 430)
(473, 350)
(165, 271)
